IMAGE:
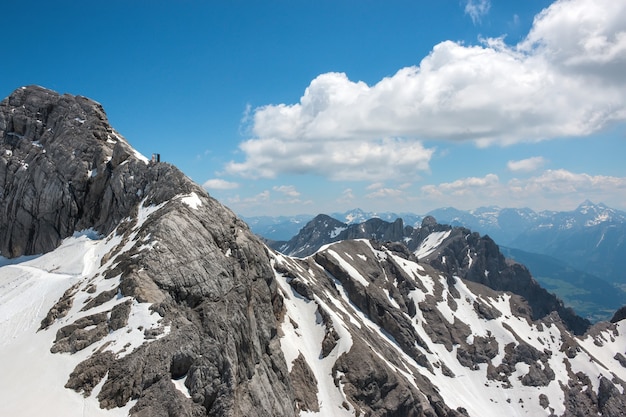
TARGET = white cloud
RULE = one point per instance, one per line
(336, 159)
(476, 9)
(561, 181)
(583, 37)
(385, 192)
(565, 79)
(266, 202)
(526, 165)
(250, 201)
(462, 186)
(550, 189)
(288, 190)
(219, 184)
(375, 186)
(347, 196)
(380, 191)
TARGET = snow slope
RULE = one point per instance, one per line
(27, 291)
(29, 288)
(440, 306)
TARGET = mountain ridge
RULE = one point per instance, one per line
(591, 238)
(167, 250)
(491, 220)
(153, 299)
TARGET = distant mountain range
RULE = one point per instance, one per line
(579, 255)
(286, 227)
(591, 238)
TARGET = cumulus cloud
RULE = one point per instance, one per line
(526, 165)
(476, 9)
(564, 79)
(337, 159)
(288, 190)
(462, 186)
(561, 181)
(219, 184)
(583, 37)
(549, 189)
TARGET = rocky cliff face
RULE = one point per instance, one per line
(63, 168)
(469, 256)
(323, 229)
(167, 245)
(165, 304)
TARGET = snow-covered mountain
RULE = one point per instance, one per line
(360, 314)
(283, 228)
(165, 307)
(501, 224)
(279, 227)
(590, 238)
(504, 225)
(126, 289)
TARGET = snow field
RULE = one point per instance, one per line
(192, 200)
(349, 268)
(32, 368)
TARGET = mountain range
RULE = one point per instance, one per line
(600, 228)
(125, 289)
(587, 244)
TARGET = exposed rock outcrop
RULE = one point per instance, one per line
(207, 278)
(462, 253)
(63, 168)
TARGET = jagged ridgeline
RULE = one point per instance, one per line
(150, 298)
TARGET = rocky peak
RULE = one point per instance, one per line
(428, 222)
(162, 249)
(468, 255)
(63, 168)
(324, 229)
(456, 251)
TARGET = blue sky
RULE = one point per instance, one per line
(285, 107)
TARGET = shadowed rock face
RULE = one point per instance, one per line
(63, 168)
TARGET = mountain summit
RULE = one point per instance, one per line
(160, 249)
(126, 289)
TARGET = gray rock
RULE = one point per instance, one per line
(305, 385)
(64, 169)
(90, 372)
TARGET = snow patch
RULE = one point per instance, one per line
(354, 274)
(306, 339)
(431, 243)
(336, 231)
(192, 200)
(28, 289)
(180, 386)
